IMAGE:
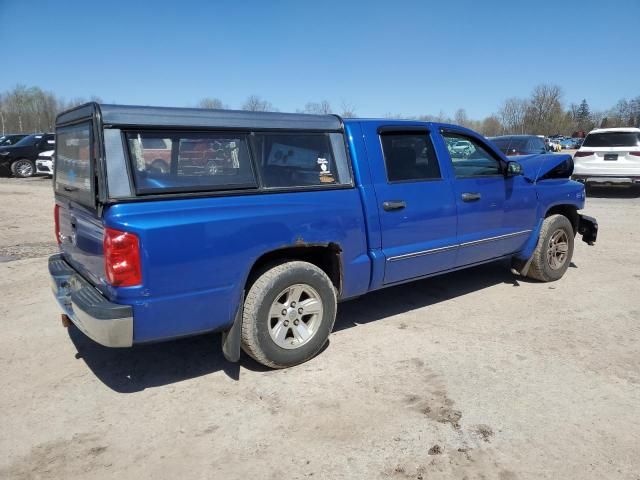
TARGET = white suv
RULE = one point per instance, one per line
(609, 156)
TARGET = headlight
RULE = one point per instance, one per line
(4, 153)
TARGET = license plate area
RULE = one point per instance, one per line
(611, 157)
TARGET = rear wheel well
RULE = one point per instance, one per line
(569, 211)
(326, 257)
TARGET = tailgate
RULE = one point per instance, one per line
(80, 229)
(81, 234)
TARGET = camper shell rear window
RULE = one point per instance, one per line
(74, 162)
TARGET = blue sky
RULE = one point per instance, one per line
(383, 57)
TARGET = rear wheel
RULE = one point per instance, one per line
(554, 250)
(288, 314)
(159, 166)
(23, 168)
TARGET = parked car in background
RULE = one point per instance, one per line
(553, 145)
(20, 158)
(44, 163)
(609, 156)
(462, 147)
(567, 144)
(299, 213)
(519, 144)
(11, 139)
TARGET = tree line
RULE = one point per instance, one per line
(30, 109)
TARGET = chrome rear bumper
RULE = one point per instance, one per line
(107, 323)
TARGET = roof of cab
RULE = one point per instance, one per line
(141, 116)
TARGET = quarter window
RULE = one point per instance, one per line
(469, 157)
(409, 156)
(301, 159)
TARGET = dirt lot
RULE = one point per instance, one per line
(476, 374)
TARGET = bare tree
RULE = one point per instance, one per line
(319, 108)
(256, 104)
(461, 118)
(211, 103)
(348, 109)
(512, 114)
(491, 126)
(545, 113)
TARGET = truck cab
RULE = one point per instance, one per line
(258, 224)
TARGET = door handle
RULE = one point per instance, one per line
(394, 205)
(470, 197)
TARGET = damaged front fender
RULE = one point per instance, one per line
(543, 166)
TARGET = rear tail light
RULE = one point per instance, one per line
(635, 154)
(583, 154)
(122, 258)
(56, 221)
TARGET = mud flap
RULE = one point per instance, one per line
(521, 267)
(231, 337)
(588, 228)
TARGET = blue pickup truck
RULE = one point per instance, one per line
(175, 222)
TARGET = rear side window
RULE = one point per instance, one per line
(185, 162)
(409, 156)
(301, 159)
(612, 139)
(73, 163)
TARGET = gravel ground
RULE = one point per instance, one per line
(476, 374)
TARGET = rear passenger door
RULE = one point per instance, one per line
(415, 203)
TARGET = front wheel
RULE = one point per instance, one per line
(288, 314)
(23, 168)
(554, 250)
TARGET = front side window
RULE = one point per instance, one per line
(409, 156)
(190, 161)
(301, 159)
(472, 160)
(73, 162)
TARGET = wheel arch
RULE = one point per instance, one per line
(567, 210)
(326, 256)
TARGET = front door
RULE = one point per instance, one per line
(495, 214)
(416, 204)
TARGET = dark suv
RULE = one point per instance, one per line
(20, 159)
(519, 144)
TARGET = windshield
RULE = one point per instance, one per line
(7, 140)
(510, 144)
(28, 140)
(612, 139)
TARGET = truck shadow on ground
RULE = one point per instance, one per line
(135, 369)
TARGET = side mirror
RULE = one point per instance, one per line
(513, 169)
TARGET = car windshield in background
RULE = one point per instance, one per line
(509, 144)
(28, 140)
(612, 139)
(73, 159)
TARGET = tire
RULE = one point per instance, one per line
(269, 335)
(548, 263)
(23, 168)
(159, 166)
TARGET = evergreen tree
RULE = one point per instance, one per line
(583, 116)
